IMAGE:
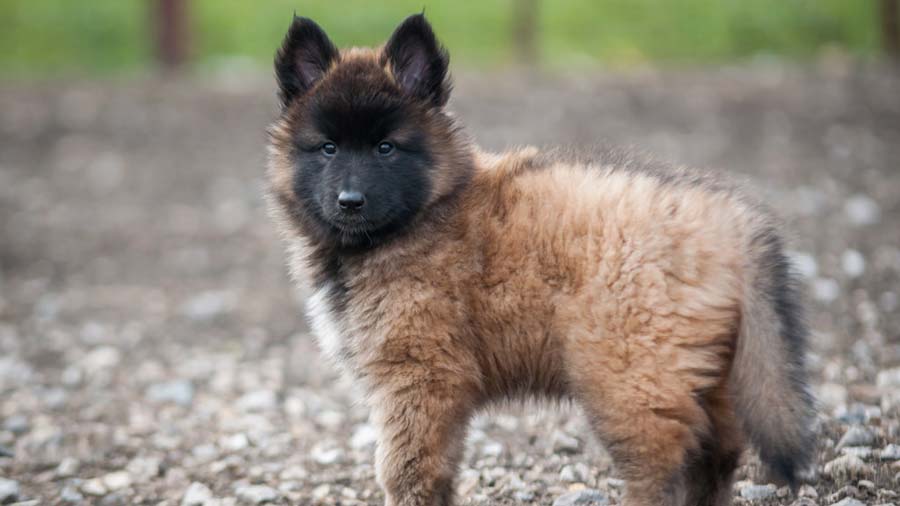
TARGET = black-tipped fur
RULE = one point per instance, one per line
(303, 58)
(418, 61)
(769, 375)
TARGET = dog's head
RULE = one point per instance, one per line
(363, 145)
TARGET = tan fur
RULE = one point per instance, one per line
(620, 289)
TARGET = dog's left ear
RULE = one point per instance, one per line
(418, 62)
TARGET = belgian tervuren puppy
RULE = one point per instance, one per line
(446, 278)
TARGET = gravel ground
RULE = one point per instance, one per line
(152, 350)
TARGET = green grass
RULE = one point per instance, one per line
(59, 37)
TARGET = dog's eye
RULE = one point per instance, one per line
(329, 148)
(385, 148)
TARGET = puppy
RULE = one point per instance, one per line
(447, 278)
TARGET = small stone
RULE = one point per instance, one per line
(144, 468)
(293, 473)
(888, 379)
(492, 449)
(862, 210)
(848, 467)
(804, 263)
(866, 484)
(857, 435)
(5, 451)
(564, 443)
(584, 497)
(70, 494)
(524, 496)
(849, 501)
(890, 452)
(9, 490)
(468, 481)
(180, 392)
(804, 501)
(17, 424)
(832, 395)
(67, 467)
(326, 454)
(103, 357)
(825, 289)
(758, 492)
(260, 400)
(364, 436)
(863, 452)
(235, 442)
(853, 263)
(257, 494)
(196, 495)
(574, 473)
(808, 491)
(321, 492)
(94, 487)
(117, 480)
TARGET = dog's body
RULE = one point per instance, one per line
(447, 278)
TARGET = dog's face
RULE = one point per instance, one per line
(363, 144)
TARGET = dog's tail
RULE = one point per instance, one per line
(768, 379)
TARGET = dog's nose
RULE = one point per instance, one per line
(351, 200)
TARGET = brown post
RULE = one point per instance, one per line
(890, 29)
(171, 32)
(525, 21)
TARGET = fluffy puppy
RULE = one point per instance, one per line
(446, 278)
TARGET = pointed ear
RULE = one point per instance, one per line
(418, 61)
(303, 59)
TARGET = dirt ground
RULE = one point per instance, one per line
(152, 350)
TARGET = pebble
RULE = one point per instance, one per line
(857, 435)
(67, 467)
(364, 436)
(492, 449)
(888, 379)
(144, 468)
(758, 492)
(574, 473)
(326, 453)
(863, 452)
(848, 467)
(257, 494)
(208, 305)
(180, 392)
(467, 482)
(17, 424)
(197, 494)
(849, 501)
(808, 491)
(564, 443)
(853, 263)
(804, 501)
(70, 494)
(321, 492)
(584, 497)
(258, 401)
(117, 480)
(804, 263)
(862, 210)
(94, 487)
(9, 490)
(103, 357)
(832, 395)
(825, 289)
(890, 452)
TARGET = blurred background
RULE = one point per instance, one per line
(53, 37)
(153, 351)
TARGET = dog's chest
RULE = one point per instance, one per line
(326, 324)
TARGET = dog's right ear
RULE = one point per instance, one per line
(304, 57)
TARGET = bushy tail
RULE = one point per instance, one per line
(768, 379)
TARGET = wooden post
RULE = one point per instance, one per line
(171, 32)
(890, 29)
(525, 21)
